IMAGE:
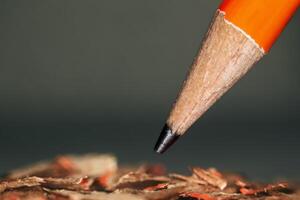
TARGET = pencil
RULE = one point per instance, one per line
(241, 33)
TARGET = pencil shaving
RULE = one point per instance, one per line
(145, 182)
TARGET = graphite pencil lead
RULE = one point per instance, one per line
(165, 140)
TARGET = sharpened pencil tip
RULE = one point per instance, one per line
(165, 140)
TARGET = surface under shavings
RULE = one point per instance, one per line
(98, 177)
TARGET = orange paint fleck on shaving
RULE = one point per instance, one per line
(160, 186)
(263, 20)
(85, 183)
(247, 191)
(65, 163)
(103, 180)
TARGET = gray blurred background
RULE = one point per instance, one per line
(100, 76)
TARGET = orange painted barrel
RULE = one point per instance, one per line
(263, 20)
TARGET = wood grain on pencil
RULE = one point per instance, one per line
(226, 55)
(241, 32)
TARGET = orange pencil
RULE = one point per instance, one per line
(241, 33)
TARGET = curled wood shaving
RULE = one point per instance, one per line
(157, 187)
(196, 196)
(26, 182)
(190, 179)
(211, 177)
(138, 180)
(163, 191)
(280, 187)
(54, 183)
(96, 177)
(70, 165)
(96, 195)
(94, 165)
(34, 193)
(30, 170)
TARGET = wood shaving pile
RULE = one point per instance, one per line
(98, 177)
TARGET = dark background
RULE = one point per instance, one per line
(100, 76)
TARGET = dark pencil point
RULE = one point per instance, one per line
(165, 140)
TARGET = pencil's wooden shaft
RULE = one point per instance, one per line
(241, 32)
(226, 55)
